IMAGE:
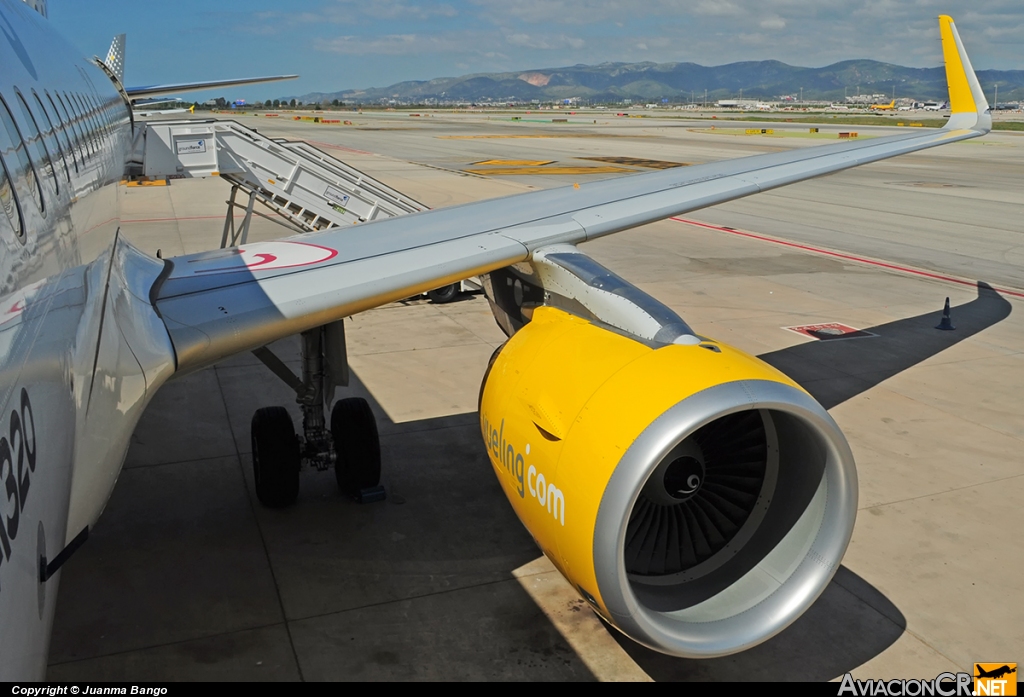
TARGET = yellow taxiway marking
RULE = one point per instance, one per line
(157, 182)
(771, 133)
(515, 163)
(638, 162)
(547, 135)
(503, 171)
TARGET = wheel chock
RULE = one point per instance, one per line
(371, 494)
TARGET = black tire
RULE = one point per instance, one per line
(356, 445)
(445, 294)
(275, 457)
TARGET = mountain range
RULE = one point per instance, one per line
(613, 82)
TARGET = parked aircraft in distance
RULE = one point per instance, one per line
(146, 110)
(698, 499)
(884, 107)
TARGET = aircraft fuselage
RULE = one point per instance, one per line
(67, 405)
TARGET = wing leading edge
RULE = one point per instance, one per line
(219, 303)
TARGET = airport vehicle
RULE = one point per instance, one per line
(452, 291)
(884, 107)
(698, 499)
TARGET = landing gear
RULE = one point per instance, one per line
(351, 445)
(445, 294)
(275, 457)
(356, 446)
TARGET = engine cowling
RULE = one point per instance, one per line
(696, 497)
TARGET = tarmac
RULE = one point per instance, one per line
(187, 577)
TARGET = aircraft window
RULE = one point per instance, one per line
(101, 117)
(90, 113)
(51, 134)
(111, 116)
(76, 121)
(59, 130)
(94, 115)
(89, 126)
(69, 124)
(83, 125)
(103, 114)
(7, 198)
(37, 143)
(19, 154)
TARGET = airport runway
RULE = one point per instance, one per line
(186, 577)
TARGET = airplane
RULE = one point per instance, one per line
(696, 498)
(141, 110)
(162, 112)
(884, 107)
(995, 673)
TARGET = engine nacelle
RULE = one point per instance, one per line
(699, 499)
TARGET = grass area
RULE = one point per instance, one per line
(844, 120)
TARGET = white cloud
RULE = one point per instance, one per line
(395, 44)
(560, 41)
(714, 8)
(800, 32)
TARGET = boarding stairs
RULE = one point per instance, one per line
(307, 188)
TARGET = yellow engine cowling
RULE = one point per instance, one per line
(698, 498)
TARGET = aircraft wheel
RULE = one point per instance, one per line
(445, 294)
(356, 445)
(275, 457)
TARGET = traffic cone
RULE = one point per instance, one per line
(946, 324)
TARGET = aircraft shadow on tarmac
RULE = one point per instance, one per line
(415, 578)
(836, 370)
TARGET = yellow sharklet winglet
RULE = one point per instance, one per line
(965, 93)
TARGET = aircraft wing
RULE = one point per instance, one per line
(219, 303)
(179, 87)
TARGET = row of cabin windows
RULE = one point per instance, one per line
(64, 131)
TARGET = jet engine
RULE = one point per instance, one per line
(696, 497)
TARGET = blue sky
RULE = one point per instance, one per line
(341, 44)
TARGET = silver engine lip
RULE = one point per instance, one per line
(708, 639)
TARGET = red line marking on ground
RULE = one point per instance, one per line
(167, 220)
(848, 257)
(97, 226)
